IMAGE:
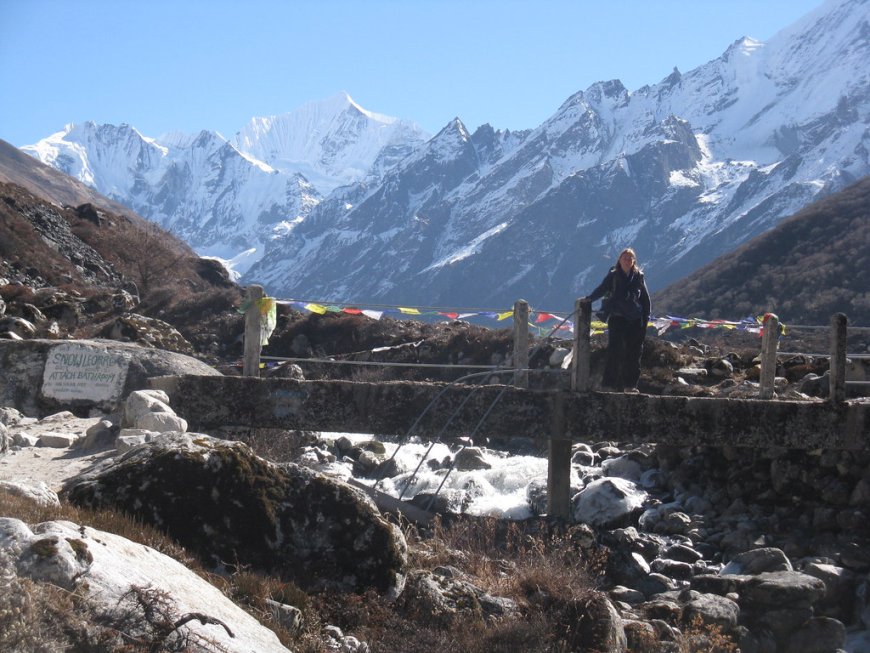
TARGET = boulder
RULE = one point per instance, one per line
(222, 501)
(713, 610)
(110, 570)
(57, 440)
(818, 635)
(783, 589)
(39, 493)
(449, 600)
(470, 458)
(757, 561)
(593, 624)
(608, 502)
(24, 385)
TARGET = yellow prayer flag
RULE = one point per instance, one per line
(316, 308)
(409, 311)
(505, 315)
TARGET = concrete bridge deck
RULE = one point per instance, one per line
(392, 408)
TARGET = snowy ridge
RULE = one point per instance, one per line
(331, 143)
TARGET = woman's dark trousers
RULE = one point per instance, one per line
(624, 348)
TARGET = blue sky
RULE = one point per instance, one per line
(167, 65)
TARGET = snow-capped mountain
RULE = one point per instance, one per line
(684, 170)
(331, 143)
(356, 207)
(229, 198)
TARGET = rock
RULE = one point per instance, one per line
(449, 500)
(722, 368)
(17, 326)
(757, 561)
(57, 440)
(672, 568)
(840, 589)
(130, 438)
(24, 439)
(148, 332)
(286, 370)
(682, 553)
(40, 493)
(818, 635)
(470, 458)
(557, 358)
(288, 616)
(101, 435)
(449, 600)
(25, 362)
(783, 588)
(622, 467)
(583, 455)
(712, 610)
(855, 557)
(110, 568)
(220, 500)
(626, 595)
(10, 417)
(141, 402)
(692, 374)
(595, 625)
(721, 585)
(607, 502)
(161, 423)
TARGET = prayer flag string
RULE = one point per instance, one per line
(538, 319)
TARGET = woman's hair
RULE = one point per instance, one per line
(628, 250)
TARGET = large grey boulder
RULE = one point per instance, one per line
(44, 376)
(107, 571)
(783, 589)
(219, 499)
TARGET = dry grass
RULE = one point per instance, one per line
(539, 565)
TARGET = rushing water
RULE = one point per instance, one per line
(499, 491)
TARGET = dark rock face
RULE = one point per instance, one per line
(228, 505)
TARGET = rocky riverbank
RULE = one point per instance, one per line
(767, 550)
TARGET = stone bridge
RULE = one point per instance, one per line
(432, 409)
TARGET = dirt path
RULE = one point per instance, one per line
(32, 465)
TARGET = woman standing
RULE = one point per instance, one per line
(627, 305)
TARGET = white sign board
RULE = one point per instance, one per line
(74, 371)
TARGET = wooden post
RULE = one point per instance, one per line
(581, 366)
(559, 466)
(769, 343)
(521, 343)
(252, 331)
(837, 371)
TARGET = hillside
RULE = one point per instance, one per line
(808, 267)
(18, 168)
(81, 271)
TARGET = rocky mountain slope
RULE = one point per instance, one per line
(228, 197)
(685, 169)
(805, 269)
(80, 272)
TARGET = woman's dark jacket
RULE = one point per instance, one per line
(627, 293)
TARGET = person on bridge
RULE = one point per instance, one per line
(626, 309)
